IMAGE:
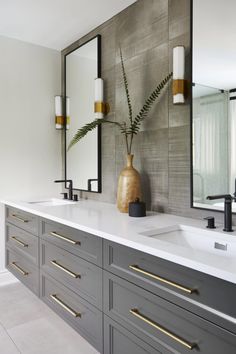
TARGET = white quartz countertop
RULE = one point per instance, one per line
(104, 220)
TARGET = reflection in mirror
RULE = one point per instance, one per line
(213, 101)
(83, 159)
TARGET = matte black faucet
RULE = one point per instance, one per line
(227, 209)
(70, 186)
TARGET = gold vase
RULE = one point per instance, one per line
(129, 186)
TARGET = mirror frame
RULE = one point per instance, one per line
(66, 52)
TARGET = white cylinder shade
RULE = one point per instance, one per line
(67, 106)
(178, 71)
(58, 106)
(99, 96)
(99, 90)
(178, 62)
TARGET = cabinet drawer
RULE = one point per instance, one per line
(75, 241)
(24, 270)
(24, 220)
(195, 291)
(82, 316)
(80, 276)
(23, 242)
(159, 322)
(117, 340)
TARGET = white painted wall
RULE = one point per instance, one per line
(30, 146)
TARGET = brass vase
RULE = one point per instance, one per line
(129, 186)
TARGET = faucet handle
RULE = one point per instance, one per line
(210, 222)
(65, 195)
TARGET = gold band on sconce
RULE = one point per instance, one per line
(101, 107)
(179, 87)
(60, 120)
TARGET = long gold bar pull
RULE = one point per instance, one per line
(64, 238)
(19, 269)
(161, 279)
(19, 218)
(64, 306)
(64, 269)
(163, 330)
(19, 241)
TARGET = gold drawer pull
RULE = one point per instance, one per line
(19, 218)
(19, 241)
(66, 270)
(64, 238)
(64, 306)
(155, 325)
(163, 280)
(19, 269)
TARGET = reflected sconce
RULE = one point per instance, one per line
(179, 83)
(59, 116)
(101, 108)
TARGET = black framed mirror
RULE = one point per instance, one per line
(82, 65)
(213, 109)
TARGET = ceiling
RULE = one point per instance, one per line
(55, 23)
(214, 51)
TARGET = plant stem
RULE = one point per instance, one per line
(131, 141)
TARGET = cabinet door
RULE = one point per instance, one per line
(80, 243)
(22, 219)
(160, 322)
(117, 340)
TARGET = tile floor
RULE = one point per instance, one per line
(28, 326)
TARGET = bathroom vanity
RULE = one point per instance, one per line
(127, 285)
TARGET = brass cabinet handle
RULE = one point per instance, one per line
(19, 241)
(66, 270)
(19, 269)
(19, 218)
(163, 280)
(64, 238)
(155, 325)
(64, 306)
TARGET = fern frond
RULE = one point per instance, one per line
(126, 87)
(91, 126)
(135, 126)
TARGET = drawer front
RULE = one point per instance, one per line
(82, 316)
(80, 276)
(159, 322)
(24, 220)
(24, 270)
(80, 243)
(184, 286)
(23, 242)
(117, 340)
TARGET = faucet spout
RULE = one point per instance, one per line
(70, 186)
(227, 209)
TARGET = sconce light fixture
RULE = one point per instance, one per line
(101, 108)
(179, 83)
(59, 116)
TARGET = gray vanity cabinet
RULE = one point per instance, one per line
(121, 300)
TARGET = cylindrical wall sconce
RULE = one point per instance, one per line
(59, 116)
(100, 107)
(179, 84)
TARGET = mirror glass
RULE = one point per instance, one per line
(213, 101)
(82, 67)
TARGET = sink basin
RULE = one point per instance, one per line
(51, 202)
(195, 239)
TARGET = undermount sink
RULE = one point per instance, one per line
(195, 239)
(51, 202)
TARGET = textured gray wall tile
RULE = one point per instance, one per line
(147, 31)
